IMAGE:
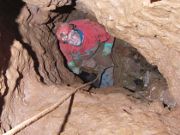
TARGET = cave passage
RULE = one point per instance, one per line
(39, 76)
(131, 70)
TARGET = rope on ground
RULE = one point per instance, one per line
(41, 114)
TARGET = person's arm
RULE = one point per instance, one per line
(70, 62)
(106, 38)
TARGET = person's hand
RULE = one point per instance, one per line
(107, 49)
(76, 70)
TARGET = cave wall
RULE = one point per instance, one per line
(28, 51)
(39, 39)
(30, 25)
(151, 27)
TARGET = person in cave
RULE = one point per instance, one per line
(87, 47)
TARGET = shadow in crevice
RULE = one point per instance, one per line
(9, 11)
(18, 80)
(66, 8)
(67, 115)
(34, 57)
(154, 1)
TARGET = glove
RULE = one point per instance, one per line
(107, 49)
(74, 68)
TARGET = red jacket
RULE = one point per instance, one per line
(93, 34)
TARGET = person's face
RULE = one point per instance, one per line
(72, 38)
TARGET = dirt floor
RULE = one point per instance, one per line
(110, 111)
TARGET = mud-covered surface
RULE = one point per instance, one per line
(133, 72)
(105, 111)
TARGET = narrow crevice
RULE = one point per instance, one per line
(62, 128)
(9, 11)
(155, 1)
(34, 57)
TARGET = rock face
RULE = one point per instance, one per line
(153, 27)
(48, 4)
(26, 52)
(39, 40)
(33, 75)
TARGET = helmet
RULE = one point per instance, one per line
(63, 31)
